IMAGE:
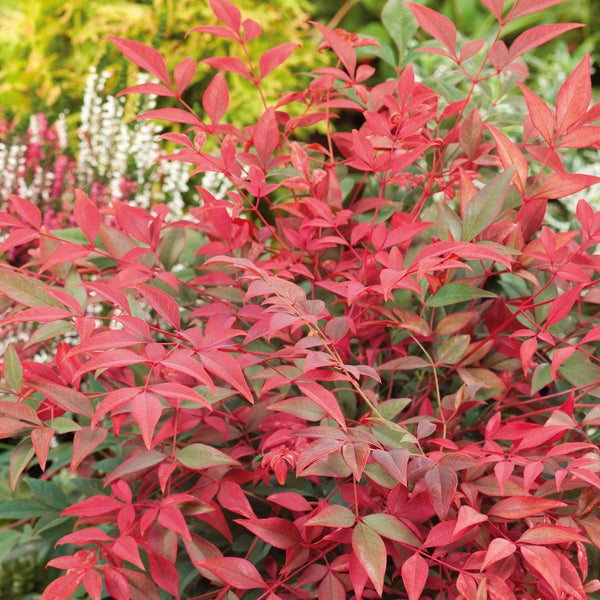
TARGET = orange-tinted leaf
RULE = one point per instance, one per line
(277, 532)
(520, 507)
(414, 575)
(41, 439)
(237, 572)
(543, 535)
(333, 515)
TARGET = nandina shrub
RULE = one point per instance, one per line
(369, 371)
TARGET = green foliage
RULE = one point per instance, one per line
(48, 46)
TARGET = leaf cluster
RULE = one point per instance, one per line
(371, 369)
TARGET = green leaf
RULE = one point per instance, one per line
(50, 330)
(19, 459)
(371, 553)
(448, 221)
(581, 372)
(454, 292)
(453, 349)
(401, 25)
(392, 528)
(486, 205)
(48, 493)
(24, 508)
(25, 290)
(334, 515)
(201, 456)
(542, 376)
(13, 370)
(171, 246)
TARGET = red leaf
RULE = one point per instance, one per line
(66, 398)
(277, 532)
(528, 7)
(332, 515)
(93, 506)
(227, 13)
(93, 585)
(266, 135)
(27, 210)
(231, 64)
(170, 517)
(140, 586)
(551, 534)
(172, 115)
(371, 553)
(436, 25)
(546, 564)
(146, 409)
(573, 98)
(511, 155)
(441, 483)
(324, 399)
(581, 137)
(17, 237)
(467, 518)
(86, 215)
(540, 113)
(273, 57)
(184, 73)
(89, 535)
(39, 314)
(562, 305)
(64, 586)
(331, 588)
(498, 549)
(497, 6)
(162, 303)
(225, 366)
(340, 46)
(536, 36)
(156, 89)
(232, 497)
(520, 507)
(41, 439)
(138, 461)
(109, 360)
(216, 30)
(172, 389)
(236, 572)
(563, 184)
(216, 98)
(291, 501)
(116, 584)
(143, 56)
(127, 549)
(414, 575)
(164, 573)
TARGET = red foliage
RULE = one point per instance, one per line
(388, 394)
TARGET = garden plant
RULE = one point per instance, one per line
(368, 370)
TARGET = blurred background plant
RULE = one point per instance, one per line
(48, 46)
